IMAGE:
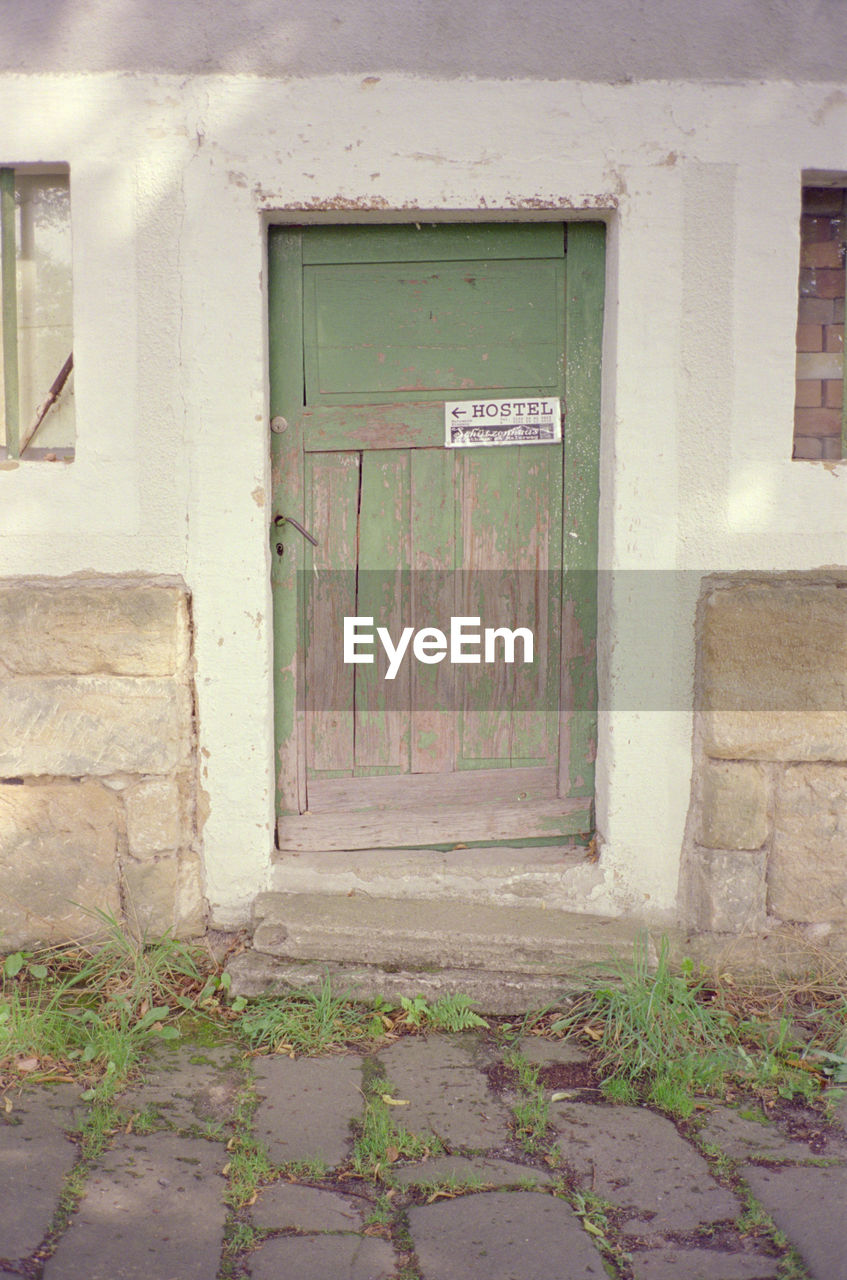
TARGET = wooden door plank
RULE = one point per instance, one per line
(374, 426)
(382, 706)
(435, 490)
(535, 703)
(435, 824)
(285, 276)
(332, 482)
(423, 242)
(507, 520)
(490, 787)
(488, 502)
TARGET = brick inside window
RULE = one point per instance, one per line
(818, 403)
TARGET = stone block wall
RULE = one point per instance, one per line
(767, 832)
(98, 768)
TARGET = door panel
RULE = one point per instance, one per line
(370, 328)
(379, 332)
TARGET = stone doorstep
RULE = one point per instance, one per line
(254, 974)
(505, 958)
(423, 933)
(557, 877)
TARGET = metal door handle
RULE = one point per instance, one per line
(281, 520)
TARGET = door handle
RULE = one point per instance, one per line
(279, 521)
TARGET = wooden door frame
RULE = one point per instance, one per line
(585, 291)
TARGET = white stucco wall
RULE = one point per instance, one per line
(173, 181)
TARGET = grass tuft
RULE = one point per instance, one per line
(657, 1035)
(306, 1022)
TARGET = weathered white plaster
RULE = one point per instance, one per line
(173, 182)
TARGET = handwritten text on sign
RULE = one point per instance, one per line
(488, 422)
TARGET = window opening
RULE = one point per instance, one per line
(36, 384)
(820, 426)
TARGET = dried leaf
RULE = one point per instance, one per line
(25, 1065)
(7, 1105)
(394, 1102)
(392, 1154)
(561, 1095)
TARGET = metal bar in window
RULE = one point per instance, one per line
(9, 311)
(51, 398)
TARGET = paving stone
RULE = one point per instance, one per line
(35, 1156)
(495, 1173)
(448, 1096)
(152, 1210)
(702, 1264)
(744, 1139)
(188, 1087)
(284, 1205)
(319, 1257)
(636, 1159)
(808, 1205)
(543, 1052)
(502, 1235)
(307, 1106)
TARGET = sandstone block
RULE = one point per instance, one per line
(156, 816)
(58, 855)
(729, 890)
(774, 672)
(807, 877)
(78, 725)
(164, 895)
(734, 805)
(190, 916)
(74, 627)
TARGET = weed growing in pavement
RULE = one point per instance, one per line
(380, 1140)
(101, 1122)
(306, 1170)
(663, 1036)
(655, 1035)
(531, 1108)
(92, 1015)
(448, 1186)
(307, 1022)
(449, 1013)
(241, 1237)
(382, 1211)
(594, 1214)
(248, 1166)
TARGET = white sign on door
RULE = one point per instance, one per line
(529, 420)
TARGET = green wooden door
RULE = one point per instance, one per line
(371, 330)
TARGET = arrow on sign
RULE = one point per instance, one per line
(458, 413)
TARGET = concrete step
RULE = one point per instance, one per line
(558, 877)
(506, 958)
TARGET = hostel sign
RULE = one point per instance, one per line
(529, 420)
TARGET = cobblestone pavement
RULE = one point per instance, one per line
(734, 1194)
